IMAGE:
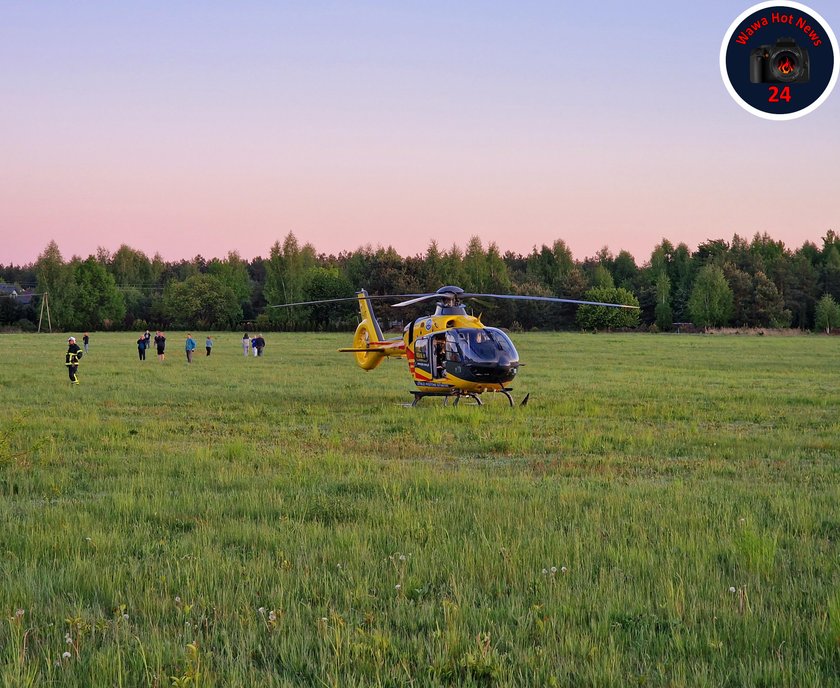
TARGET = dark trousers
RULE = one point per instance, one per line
(209, 349)
(142, 354)
(189, 355)
(71, 370)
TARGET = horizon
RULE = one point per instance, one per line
(640, 261)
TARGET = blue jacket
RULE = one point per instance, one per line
(190, 344)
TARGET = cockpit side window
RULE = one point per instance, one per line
(421, 349)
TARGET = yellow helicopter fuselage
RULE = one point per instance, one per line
(449, 352)
(458, 351)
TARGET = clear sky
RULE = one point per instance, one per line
(204, 127)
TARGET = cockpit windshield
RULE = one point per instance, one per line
(480, 345)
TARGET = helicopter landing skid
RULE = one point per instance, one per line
(457, 395)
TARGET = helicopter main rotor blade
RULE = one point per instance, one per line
(550, 299)
(340, 300)
(313, 303)
(417, 299)
(457, 296)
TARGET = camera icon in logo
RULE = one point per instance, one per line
(785, 63)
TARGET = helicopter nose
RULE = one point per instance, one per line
(494, 372)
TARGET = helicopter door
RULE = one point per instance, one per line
(438, 352)
(422, 360)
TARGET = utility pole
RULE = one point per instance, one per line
(45, 303)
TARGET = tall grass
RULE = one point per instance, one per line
(663, 513)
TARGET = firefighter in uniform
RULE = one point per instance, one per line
(71, 359)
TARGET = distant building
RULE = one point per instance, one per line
(14, 292)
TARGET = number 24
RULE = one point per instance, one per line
(776, 95)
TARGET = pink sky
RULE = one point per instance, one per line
(233, 127)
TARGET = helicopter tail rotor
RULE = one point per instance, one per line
(369, 345)
(367, 357)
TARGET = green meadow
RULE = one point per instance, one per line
(664, 512)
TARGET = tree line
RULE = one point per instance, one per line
(739, 283)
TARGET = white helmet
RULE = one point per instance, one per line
(71, 339)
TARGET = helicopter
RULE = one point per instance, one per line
(450, 353)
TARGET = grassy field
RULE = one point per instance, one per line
(664, 512)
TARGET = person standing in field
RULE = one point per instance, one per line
(160, 343)
(189, 347)
(254, 346)
(142, 345)
(208, 344)
(148, 337)
(71, 360)
(86, 341)
(246, 344)
(260, 344)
